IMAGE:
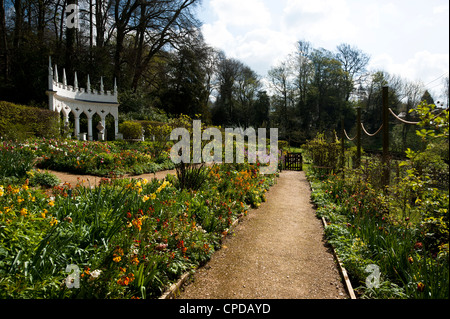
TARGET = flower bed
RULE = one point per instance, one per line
(124, 239)
(386, 254)
(97, 158)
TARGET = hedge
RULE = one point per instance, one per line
(20, 121)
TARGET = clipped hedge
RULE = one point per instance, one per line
(131, 130)
(20, 121)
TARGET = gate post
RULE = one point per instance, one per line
(386, 169)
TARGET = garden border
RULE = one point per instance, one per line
(174, 290)
(343, 272)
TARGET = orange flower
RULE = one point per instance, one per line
(135, 261)
(117, 259)
(125, 280)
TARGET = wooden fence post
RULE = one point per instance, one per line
(342, 145)
(386, 170)
(358, 137)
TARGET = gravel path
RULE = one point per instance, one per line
(277, 252)
(95, 180)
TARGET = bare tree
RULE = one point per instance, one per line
(354, 62)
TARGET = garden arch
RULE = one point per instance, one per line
(76, 100)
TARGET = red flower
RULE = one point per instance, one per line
(420, 286)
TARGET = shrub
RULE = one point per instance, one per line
(45, 179)
(19, 122)
(131, 130)
(324, 154)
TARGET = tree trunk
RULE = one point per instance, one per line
(4, 64)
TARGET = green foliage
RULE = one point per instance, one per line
(19, 122)
(40, 178)
(159, 133)
(15, 160)
(402, 229)
(131, 130)
(129, 238)
(366, 228)
(191, 176)
(324, 154)
(97, 158)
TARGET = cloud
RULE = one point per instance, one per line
(244, 30)
(424, 67)
(319, 20)
(403, 37)
(441, 9)
(240, 13)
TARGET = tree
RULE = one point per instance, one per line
(185, 91)
(330, 83)
(354, 62)
(427, 97)
(225, 106)
(160, 24)
(261, 107)
(281, 77)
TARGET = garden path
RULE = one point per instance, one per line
(90, 180)
(277, 251)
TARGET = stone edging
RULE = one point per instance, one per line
(348, 284)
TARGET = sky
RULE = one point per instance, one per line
(407, 38)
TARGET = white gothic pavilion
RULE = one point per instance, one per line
(66, 98)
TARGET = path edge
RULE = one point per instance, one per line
(342, 271)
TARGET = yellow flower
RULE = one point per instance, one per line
(153, 196)
(51, 203)
(117, 259)
(24, 187)
(23, 211)
(2, 191)
(20, 199)
(54, 221)
(145, 198)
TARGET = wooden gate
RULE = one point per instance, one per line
(293, 162)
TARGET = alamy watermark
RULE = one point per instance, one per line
(256, 146)
(73, 279)
(73, 16)
(373, 280)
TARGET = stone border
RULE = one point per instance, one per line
(343, 272)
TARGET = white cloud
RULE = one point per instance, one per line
(319, 20)
(424, 67)
(403, 37)
(218, 35)
(252, 13)
(256, 43)
(441, 9)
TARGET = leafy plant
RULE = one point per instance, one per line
(45, 179)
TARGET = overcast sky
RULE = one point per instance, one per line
(409, 38)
